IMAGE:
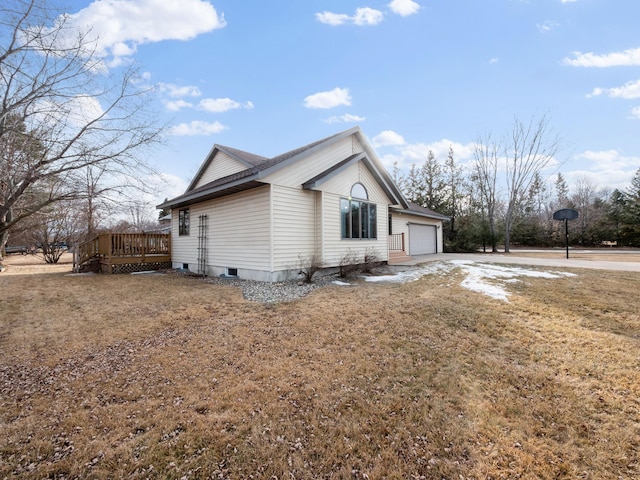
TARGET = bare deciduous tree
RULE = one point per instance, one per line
(583, 200)
(61, 112)
(485, 172)
(529, 149)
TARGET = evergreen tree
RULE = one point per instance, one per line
(433, 181)
(454, 192)
(616, 208)
(413, 187)
(562, 191)
(631, 216)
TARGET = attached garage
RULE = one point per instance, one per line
(423, 239)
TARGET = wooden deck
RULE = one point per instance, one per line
(124, 253)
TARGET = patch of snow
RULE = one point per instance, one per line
(342, 284)
(486, 278)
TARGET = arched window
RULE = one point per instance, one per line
(358, 218)
(358, 191)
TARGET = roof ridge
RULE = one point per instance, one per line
(297, 151)
(242, 155)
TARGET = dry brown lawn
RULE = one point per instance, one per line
(602, 254)
(136, 376)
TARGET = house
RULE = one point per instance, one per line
(257, 218)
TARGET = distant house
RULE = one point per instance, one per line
(258, 217)
(165, 224)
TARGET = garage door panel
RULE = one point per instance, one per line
(422, 239)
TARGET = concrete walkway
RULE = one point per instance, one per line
(561, 261)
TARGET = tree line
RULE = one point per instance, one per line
(503, 198)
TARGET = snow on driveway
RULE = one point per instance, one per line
(485, 278)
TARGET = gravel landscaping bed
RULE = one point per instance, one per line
(273, 292)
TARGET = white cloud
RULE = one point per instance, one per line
(367, 16)
(330, 99)
(626, 58)
(605, 159)
(347, 118)
(609, 167)
(362, 16)
(629, 90)
(144, 77)
(404, 8)
(494, 60)
(83, 109)
(175, 105)
(388, 138)
(119, 26)
(219, 105)
(547, 26)
(161, 186)
(635, 113)
(333, 19)
(568, 1)
(177, 91)
(417, 153)
(196, 127)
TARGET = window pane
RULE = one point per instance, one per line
(344, 217)
(355, 219)
(358, 191)
(183, 222)
(364, 210)
(373, 221)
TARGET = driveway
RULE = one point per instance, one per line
(517, 259)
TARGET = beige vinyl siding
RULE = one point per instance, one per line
(184, 247)
(334, 246)
(400, 224)
(341, 184)
(238, 235)
(356, 145)
(304, 170)
(294, 226)
(221, 166)
(240, 230)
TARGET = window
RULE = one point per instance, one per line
(358, 219)
(358, 191)
(183, 222)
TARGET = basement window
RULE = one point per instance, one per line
(232, 272)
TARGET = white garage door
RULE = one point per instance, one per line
(422, 239)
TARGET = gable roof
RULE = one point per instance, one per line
(259, 167)
(415, 209)
(250, 160)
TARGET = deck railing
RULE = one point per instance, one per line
(87, 251)
(396, 242)
(136, 246)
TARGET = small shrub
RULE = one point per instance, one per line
(349, 263)
(371, 259)
(309, 266)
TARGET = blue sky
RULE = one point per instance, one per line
(267, 77)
